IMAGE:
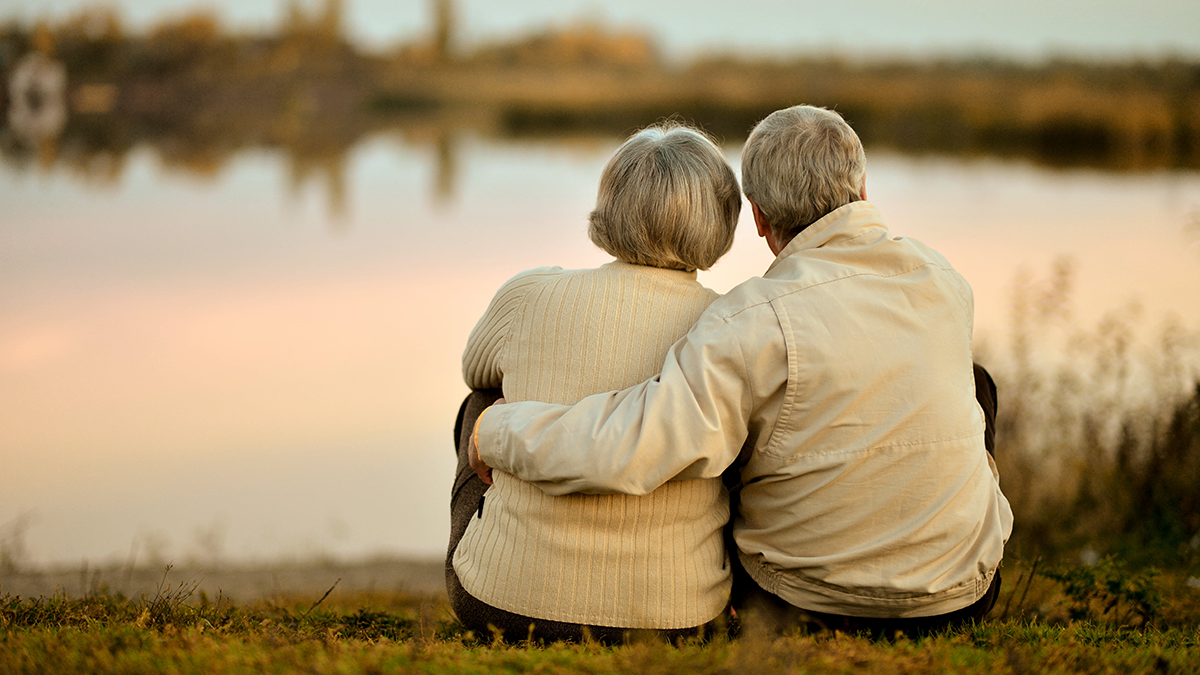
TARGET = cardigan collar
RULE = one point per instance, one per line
(674, 275)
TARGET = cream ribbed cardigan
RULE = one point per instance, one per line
(656, 561)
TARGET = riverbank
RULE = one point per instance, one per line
(1099, 619)
(243, 584)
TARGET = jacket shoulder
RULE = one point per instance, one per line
(753, 294)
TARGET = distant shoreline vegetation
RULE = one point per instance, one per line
(84, 92)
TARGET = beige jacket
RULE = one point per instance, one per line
(653, 561)
(844, 378)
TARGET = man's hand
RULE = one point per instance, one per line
(483, 470)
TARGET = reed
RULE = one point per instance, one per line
(1098, 430)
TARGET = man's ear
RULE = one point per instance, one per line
(764, 228)
(760, 221)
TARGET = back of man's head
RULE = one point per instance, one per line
(799, 164)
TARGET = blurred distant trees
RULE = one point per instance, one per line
(198, 92)
(178, 45)
(586, 45)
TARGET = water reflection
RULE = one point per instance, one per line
(38, 109)
(1191, 230)
(447, 167)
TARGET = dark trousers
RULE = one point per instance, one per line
(467, 500)
(755, 604)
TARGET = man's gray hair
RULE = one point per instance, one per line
(667, 199)
(799, 164)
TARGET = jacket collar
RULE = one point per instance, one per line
(843, 223)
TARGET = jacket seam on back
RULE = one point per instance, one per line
(771, 300)
(857, 275)
(874, 448)
(775, 440)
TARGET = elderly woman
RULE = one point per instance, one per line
(560, 568)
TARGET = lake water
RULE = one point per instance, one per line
(238, 367)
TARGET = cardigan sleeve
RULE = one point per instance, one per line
(482, 368)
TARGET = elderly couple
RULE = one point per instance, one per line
(829, 411)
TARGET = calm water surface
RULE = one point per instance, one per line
(232, 368)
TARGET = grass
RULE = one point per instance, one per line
(1053, 620)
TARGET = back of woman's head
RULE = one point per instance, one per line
(667, 199)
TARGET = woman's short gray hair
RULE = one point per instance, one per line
(799, 164)
(667, 199)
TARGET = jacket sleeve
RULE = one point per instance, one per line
(482, 366)
(689, 422)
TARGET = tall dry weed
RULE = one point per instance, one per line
(1098, 431)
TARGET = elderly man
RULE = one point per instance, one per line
(841, 383)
